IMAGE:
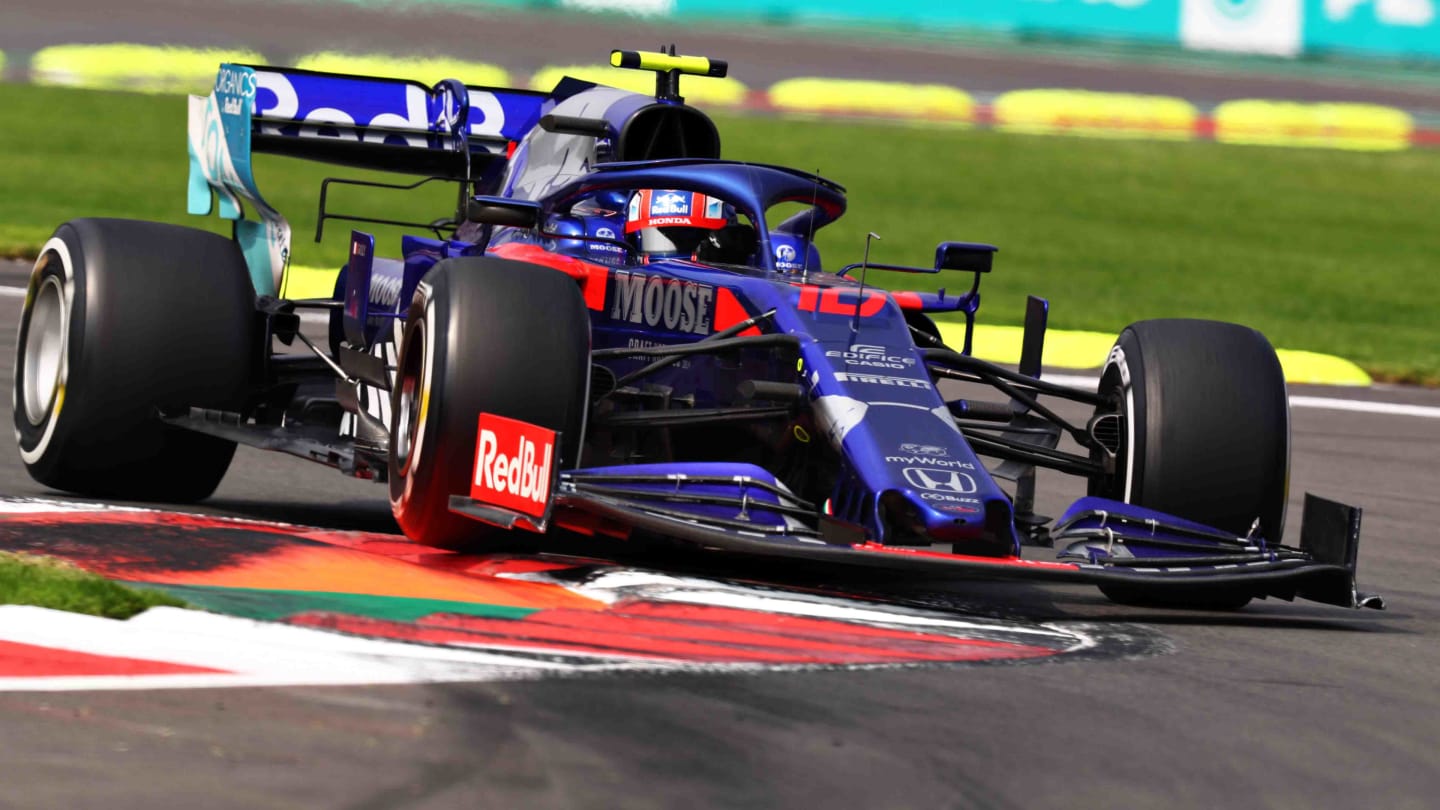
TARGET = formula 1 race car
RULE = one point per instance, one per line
(612, 335)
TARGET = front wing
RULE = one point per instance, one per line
(1115, 545)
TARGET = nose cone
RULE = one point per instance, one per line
(968, 524)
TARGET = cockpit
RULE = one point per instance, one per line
(710, 211)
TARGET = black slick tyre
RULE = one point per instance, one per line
(482, 335)
(1204, 432)
(124, 319)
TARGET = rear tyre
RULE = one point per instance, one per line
(124, 319)
(1205, 434)
(482, 334)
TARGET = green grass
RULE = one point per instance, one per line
(1327, 251)
(74, 153)
(27, 579)
(1322, 250)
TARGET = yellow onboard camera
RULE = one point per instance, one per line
(668, 68)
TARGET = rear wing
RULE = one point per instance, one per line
(388, 124)
(450, 130)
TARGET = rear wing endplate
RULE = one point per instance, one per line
(447, 130)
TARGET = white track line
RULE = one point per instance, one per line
(1321, 403)
(1072, 380)
(1079, 381)
(245, 653)
(1389, 408)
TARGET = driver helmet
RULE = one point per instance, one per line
(665, 223)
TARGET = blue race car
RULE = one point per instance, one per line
(614, 335)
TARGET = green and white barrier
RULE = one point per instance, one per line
(426, 71)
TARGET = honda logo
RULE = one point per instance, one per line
(940, 480)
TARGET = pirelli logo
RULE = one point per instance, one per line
(880, 379)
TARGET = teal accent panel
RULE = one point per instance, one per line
(219, 150)
(199, 197)
(254, 240)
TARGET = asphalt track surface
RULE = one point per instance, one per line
(758, 56)
(1279, 705)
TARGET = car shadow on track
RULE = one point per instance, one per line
(350, 516)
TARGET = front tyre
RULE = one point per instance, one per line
(482, 335)
(123, 319)
(1204, 432)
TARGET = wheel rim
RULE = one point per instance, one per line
(1114, 390)
(411, 402)
(44, 351)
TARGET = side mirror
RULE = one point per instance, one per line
(503, 211)
(970, 257)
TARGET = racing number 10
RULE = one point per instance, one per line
(828, 300)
